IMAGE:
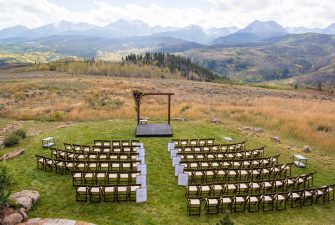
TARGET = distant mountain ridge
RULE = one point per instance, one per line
(257, 31)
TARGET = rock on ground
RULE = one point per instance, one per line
(258, 130)
(27, 199)
(275, 139)
(307, 149)
(12, 219)
(215, 121)
(12, 154)
(49, 221)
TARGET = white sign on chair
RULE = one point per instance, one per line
(142, 180)
(178, 169)
(141, 152)
(175, 160)
(183, 179)
(142, 168)
(141, 158)
(171, 146)
(173, 153)
(141, 195)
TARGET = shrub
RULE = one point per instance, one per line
(12, 139)
(324, 128)
(6, 179)
(21, 133)
(226, 220)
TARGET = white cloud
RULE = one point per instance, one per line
(219, 13)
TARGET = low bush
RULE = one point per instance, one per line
(21, 133)
(11, 140)
(6, 180)
(14, 137)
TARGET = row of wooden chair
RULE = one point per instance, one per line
(115, 143)
(195, 141)
(227, 175)
(200, 156)
(92, 156)
(246, 187)
(75, 148)
(106, 193)
(238, 164)
(212, 148)
(63, 166)
(104, 178)
(266, 202)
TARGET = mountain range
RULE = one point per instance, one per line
(260, 51)
(257, 31)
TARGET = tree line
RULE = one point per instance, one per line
(174, 63)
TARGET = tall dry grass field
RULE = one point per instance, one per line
(305, 115)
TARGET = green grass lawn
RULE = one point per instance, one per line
(166, 201)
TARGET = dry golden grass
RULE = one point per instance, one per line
(303, 115)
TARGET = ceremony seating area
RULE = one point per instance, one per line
(109, 171)
(221, 177)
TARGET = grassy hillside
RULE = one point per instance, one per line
(166, 201)
(53, 96)
(79, 109)
(283, 58)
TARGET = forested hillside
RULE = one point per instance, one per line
(174, 63)
(150, 65)
(292, 56)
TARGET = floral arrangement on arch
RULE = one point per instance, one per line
(137, 94)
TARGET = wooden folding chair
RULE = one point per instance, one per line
(330, 192)
(296, 198)
(132, 192)
(308, 196)
(212, 205)
(95, 193)
(89, 178)
(40, 162)
(253, 202)
(192, 191)
(281, 199)
(226, 203)
(116, 143)
(122, 193)
(204, 190)
(100, 178)
(216, 190)
(49, 164)
(108, 193)
(81, 193)
(194, 206)
(77, 178)
(98, 143)
(112, 178)
(106, 143)
(238, 204)
(193, 141)
(320, 195)
(68, 147)
(267, 202)
(210, 141)
(124, 178)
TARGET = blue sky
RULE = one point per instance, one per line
(177, 13)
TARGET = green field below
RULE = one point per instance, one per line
(166, 201)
